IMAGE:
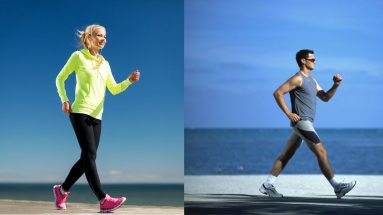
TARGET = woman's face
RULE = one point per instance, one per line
(99, 38)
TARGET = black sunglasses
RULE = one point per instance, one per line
(312, 60)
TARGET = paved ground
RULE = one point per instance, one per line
(247, 204)
(32, 207)
(304, 194)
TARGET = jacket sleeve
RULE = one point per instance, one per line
(68, 68)
(115, 88)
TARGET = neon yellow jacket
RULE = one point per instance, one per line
(91, 83)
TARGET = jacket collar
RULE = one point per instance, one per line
(88, 54)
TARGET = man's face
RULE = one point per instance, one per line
(309, 62)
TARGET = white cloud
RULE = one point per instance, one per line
(114, 172)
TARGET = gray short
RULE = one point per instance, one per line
(304, 131)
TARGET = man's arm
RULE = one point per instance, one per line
(286, 87)
(326, 96)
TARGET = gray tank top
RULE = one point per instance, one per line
(303, 99)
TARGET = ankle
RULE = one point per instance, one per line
(270, 180)
(334, 183)
(103, 199)
(62, 191)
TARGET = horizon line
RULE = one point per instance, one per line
(104, 183)
(335, 128)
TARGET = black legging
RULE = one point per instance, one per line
(88, 130)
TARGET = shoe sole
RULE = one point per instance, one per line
(339, 197)
(54, 194)
(262, 189)
(110, 210)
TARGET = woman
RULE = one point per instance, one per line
(93, 75)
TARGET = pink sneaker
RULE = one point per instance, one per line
(60, 198)
(109, 204)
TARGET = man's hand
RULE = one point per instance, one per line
(293, 117)
(66, 107)
(337, 79)
(135, 76)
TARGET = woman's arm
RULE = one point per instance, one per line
(115, 88)
(68, 68)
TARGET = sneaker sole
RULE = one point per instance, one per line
(110, 210)
(262, 189)
(54, 194)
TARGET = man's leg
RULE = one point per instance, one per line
(324, 164)
(291, 147)
(307, 132)
(340, 188)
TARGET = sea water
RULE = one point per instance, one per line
(253, 151)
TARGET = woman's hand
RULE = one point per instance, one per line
(66, 107)
(135, 76)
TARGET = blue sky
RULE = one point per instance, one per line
(238, 52)
(142, 136)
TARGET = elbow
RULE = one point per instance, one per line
(114, 91)
(326, 99)
(58, 82)
(59, 77)
(276, 94)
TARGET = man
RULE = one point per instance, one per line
(303, 90)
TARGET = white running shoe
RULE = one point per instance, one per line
(270, 191)
(344, 188)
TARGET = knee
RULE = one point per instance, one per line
(89, 156)
(322, 153)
